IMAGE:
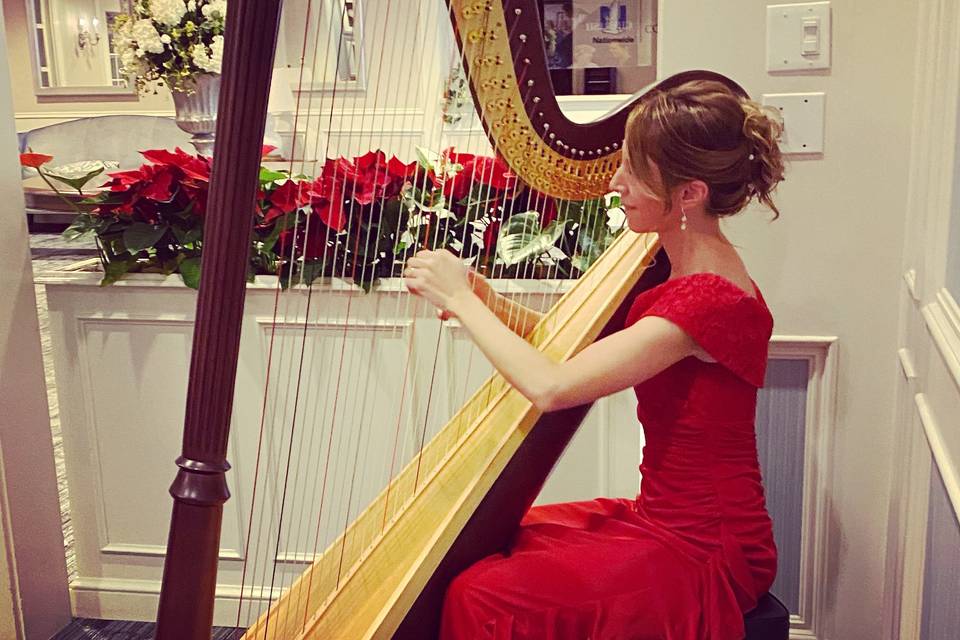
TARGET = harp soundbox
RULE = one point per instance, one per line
(461, 499)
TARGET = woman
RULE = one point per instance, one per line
(695, 549)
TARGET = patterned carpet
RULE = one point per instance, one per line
(87, 629)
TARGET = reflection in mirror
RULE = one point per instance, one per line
(599, 47)
(331, 46)
(73, 49)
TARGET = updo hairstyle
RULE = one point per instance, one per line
(702, 130)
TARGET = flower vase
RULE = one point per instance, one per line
(197, 110)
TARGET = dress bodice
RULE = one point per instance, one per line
(700, 472)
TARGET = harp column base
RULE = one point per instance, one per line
(199, 491)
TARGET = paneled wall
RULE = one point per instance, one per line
(941, 577)
(781, 427)
(924, 524)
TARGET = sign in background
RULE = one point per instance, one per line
(598, 33)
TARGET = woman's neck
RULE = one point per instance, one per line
(700, 247)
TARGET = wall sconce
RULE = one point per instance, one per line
(87, 36)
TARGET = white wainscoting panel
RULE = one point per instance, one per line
(940, 619)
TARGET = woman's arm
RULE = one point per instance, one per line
(612, 364)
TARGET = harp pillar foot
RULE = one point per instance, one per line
(193, 547)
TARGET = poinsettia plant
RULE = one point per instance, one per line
(359, 219)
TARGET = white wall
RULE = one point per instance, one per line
(33, 575)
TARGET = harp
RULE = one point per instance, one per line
(463, 496)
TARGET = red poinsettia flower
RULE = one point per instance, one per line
(327, 199)
(286, 198)
(123, 180)
(341, 170)
(157, 186)
(373, 178)
(398, 169)
(310, 237)
(492, 172)
(194, 166)
(34, 160)
(266, 149)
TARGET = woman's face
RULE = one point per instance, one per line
(642, 207)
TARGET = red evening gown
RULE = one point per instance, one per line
(694, 551)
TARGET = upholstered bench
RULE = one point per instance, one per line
(769, 620)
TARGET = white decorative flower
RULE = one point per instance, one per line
(168, 12)
(165, 39)
(615, 219)
(145, 35)
(192, 5)
(201, 57)
(215, 7)
(131, 62)
(216, 53)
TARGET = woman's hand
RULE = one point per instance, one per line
(440, 277)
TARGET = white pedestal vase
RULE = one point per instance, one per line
(197, 111)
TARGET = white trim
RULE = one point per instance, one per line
(71, 275)
(158, 551)
(906, 363)
(130, 599)
(819, 431)
(951, 311)
(933, 430)
(906, 626)
(946, 337)
(910, 277)
(76, 115)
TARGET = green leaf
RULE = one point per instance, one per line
(581, 262)
(190, 272)
(78, 174)
(115, 270)
(426, 158)
(310, 271)
(140, 235)
(81, 226)
(522, 237)
(268, 175)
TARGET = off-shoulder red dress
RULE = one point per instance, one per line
(694, 550)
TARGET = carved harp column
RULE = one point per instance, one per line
(200, 488)
(473, 482)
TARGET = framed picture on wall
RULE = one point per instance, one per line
(600, 46)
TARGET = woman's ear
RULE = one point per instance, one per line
(694, 194)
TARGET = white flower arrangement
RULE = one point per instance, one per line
(171, 41)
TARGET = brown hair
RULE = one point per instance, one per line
(702, 130)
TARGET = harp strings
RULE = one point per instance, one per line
(288, 427)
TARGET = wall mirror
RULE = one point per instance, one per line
(329, 38)
(72, 48)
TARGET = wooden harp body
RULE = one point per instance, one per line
(473, 482)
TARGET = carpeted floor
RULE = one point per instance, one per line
(87, 629)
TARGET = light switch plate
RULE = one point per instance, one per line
(803, 115)
(798, 37)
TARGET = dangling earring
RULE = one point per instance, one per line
(683, 219)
